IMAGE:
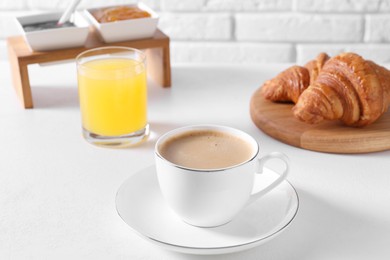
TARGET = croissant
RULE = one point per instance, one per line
(290, 83)
(348, 88)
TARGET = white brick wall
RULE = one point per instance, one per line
(231, 52)
(197, 26)
(342, 6)
(288, 27)
(249, 31)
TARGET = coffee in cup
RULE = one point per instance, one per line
(206, 172)
(206, 149)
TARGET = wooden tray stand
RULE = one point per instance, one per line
(20, 56)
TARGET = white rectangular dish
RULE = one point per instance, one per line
(125, 30)
(54, 38)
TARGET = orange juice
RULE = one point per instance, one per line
(113, 96)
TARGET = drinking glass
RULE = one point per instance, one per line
(113, 96)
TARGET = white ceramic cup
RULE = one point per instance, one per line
(209, 198)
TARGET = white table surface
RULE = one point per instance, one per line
(57, 192)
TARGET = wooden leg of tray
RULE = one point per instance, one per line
(159, 65)
(19, 71)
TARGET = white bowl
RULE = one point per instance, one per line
(125, 30)
(56, 38)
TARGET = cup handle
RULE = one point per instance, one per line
(282, 176)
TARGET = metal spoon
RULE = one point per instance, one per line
(68, 12)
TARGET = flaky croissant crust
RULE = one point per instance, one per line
(290, 83)
(348, 88)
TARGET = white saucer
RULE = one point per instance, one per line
(140, 204)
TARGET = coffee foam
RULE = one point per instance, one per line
(206, 149)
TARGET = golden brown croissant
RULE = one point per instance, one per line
(348, 88)
(290, 83)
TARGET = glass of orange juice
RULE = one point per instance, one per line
(113, 96)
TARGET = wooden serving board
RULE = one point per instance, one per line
(278, 121)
